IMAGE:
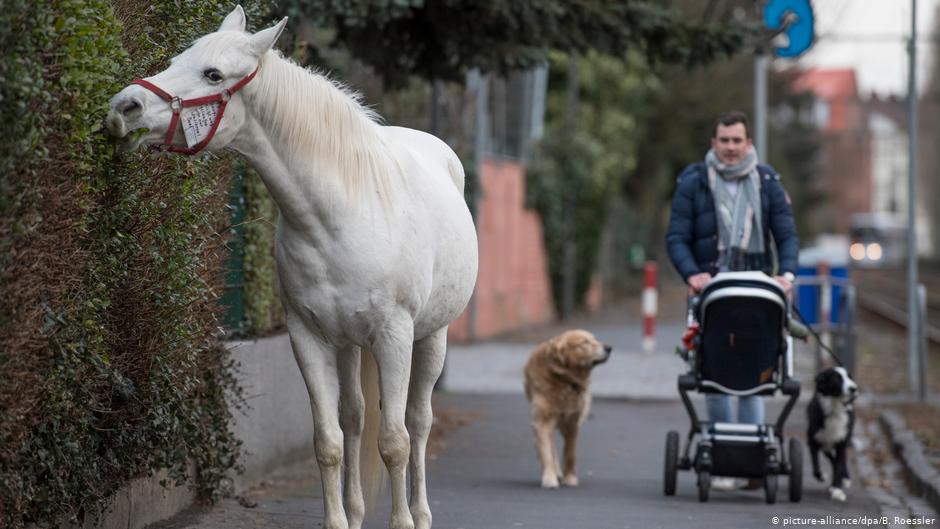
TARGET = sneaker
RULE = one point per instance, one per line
(723, 483)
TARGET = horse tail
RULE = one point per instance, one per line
(371, 466)
(455, 168)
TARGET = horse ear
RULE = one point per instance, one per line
(264, 40)
(234, 21)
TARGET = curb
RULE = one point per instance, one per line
(920, 473)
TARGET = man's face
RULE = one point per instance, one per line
(731, 143)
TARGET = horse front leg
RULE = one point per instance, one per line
(393, 352)
(351, 413)
(426, 365)
(318, 365)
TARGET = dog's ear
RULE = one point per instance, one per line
(829, 382)
(557, 348)
(548, 350)
(543, 350)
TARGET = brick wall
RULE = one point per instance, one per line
(512, 288)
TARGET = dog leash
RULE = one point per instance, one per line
(816, 336)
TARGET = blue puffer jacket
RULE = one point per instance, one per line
(692, 237)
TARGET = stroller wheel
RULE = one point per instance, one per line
(672, 459)
(770, 488)
(704, 485)
(796, 470)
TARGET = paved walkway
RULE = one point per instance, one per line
(497, 366)
(484, 475)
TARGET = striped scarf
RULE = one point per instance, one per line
(740, 234)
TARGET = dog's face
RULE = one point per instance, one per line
(579, 350)
(835, 382)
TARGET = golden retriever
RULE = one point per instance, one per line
(557, 384)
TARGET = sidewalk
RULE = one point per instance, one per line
(496, 366)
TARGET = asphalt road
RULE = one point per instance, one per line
(486, 477)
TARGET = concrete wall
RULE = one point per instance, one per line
(142, 502)
(275, 426)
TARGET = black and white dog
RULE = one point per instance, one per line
(831, 418)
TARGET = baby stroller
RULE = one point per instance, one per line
(737, 344)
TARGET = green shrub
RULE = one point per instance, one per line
(110, 268)
(562, 184)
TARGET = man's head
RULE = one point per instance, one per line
(730, 137)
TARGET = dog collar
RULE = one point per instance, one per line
(577, 386)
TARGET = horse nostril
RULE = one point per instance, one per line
(129, 107)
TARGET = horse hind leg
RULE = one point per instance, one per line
(317, 364)
(427, 362)
(393, 353)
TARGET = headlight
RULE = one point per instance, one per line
(857, 251)
(874, 251)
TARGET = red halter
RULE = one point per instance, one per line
(177, 105)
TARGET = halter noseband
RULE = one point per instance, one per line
(177, 105)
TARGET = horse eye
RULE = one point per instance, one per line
(213, 75)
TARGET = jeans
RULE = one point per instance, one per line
(750, 409)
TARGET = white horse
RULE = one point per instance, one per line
(376, 249)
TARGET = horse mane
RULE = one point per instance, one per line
(312, 115)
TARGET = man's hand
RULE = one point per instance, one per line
(698, 281)
(785, 283)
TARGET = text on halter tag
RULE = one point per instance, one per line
(197, 122)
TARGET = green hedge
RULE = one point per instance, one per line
(110, 268)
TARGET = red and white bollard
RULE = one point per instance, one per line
(649, 306)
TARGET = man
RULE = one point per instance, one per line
(723, 213)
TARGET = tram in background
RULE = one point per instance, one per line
(877, 240)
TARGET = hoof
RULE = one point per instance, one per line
(837, 494)
(570, 481)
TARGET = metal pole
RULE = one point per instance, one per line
(570, 205)
(436, 91)
(913, 332)
(481, 85)
(825, 311)
(539, 91)
(851, 307)
(760, 103)
(922, 343)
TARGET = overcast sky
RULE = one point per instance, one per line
(870, 35)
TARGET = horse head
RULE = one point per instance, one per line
(181, 108)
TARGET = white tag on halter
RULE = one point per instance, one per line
(197, 122)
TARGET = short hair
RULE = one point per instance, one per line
(730, 118)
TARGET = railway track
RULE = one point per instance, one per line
(883, 293)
